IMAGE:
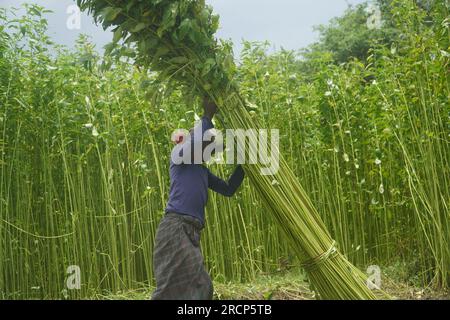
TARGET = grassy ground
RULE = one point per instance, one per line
(288, 286)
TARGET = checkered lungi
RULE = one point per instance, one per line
(178, 262)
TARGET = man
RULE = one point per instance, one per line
(178, 262)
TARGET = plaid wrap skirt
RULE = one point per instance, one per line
(178, 262)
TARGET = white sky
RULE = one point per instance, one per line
(284, 23)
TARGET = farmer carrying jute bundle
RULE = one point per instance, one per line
(178, 262)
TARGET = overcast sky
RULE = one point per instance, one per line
(284, 23)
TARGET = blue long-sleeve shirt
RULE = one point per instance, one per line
(189, 183)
